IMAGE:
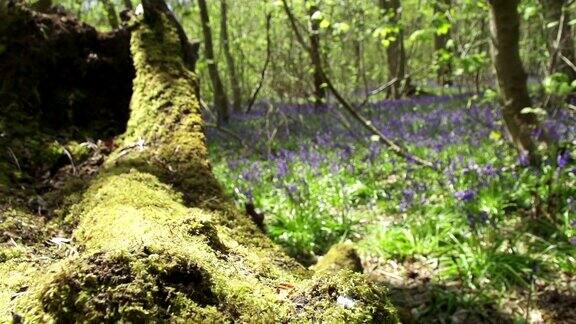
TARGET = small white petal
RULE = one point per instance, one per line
(139, 10)
(346, 302)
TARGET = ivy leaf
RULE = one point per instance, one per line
(444, 28)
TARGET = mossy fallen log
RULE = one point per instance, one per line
(156, 238)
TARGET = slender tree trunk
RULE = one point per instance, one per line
(505, 29)
(395, 52)
(111, 14)
(220, 98)
(553, 10)
(319, 85)
(440, 45)
(128, 4)
(234, 82)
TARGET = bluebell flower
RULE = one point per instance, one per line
(523, 160)
(233, 164)
(334, 168)
(248, 194)
(563, 159)
(483, 217)
(407, 198)
(282, 168)
(465, 195)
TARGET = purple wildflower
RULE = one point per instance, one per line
(465, 195)
(407, 198)
(523, 160)
(573, 240)
(563, 159)
(233, 164)
(248, 194)
(334, 168)
(483, 217)
(282, 169)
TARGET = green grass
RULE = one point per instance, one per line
(501, 240)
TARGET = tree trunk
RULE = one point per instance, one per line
(234, 82)
(553, 15)
(505, 29)
(220, 98)
(128, 4)
(111, 13)
(155, 239)
(440, 44)
(319, 86)
(395, 52)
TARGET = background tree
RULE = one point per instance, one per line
(219, 94)
(225, 41)
(395, 51)
(111, 13)
(441, 38)
(559, 37)
(505, 28)
(315, 54)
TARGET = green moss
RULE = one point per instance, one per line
(20, 268)
(344, 297)
(158, 241)
(148, 257)
(341, 256)
(21, 227)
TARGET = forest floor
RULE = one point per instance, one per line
(485, 239)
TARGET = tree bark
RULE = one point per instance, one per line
(220, 98)
(234, 81)
(111, 14)
(314, 39)
(505, 29)
(395, 52)
(128, 4)
(440, 45)
(553, 11)
(156, 240)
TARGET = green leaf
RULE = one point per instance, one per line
(444, 28)
(341, 28)
(536, 111)
(325, 23)
(529, 12)
(552, 24)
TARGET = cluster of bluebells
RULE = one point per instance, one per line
(320, 140)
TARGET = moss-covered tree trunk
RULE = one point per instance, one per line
(155, 238)
(505, 28)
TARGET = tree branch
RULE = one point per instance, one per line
(367, 124)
